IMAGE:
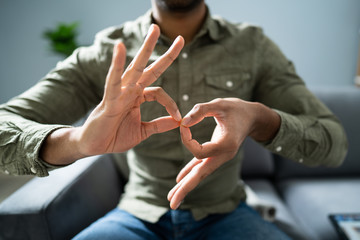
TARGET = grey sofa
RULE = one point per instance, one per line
(61, 205)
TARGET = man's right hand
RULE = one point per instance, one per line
(236, 119)
(115, 124)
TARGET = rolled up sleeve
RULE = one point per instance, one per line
(20, 144)
(61, 98)
(309, 133)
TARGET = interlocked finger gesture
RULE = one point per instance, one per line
(115, 124)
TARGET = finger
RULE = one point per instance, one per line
(153, 72)
(183, 173)
(113, 79)
(179, 192)
(136, 67)
(172, 191)
(199, 112)
(158, 94)
(200, 151)
(159, 125)
(188, 183)
(188, 167)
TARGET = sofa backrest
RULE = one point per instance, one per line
(344, 102)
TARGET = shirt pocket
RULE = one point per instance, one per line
(228, 85)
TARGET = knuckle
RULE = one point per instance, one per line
(147, 50)
(201, 173)
(217, 100)
(134, 67)
(157, 90)
(198, 108)
(152, 72)
(200, 155)
(138, 69)
(156, 74)
(149, 97)
(169, 57)
(184, 191)
(222, 103)
(113, 67)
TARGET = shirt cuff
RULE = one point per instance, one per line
(288, 139)
(32, 141)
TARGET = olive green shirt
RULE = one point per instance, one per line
(224, 60)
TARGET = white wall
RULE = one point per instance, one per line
(320, 36)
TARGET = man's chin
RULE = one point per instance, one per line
(178, 6)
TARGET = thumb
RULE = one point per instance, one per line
(198, 113)
(159, 125)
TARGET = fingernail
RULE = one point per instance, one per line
(177, 206)
(178, 116)
(115, 50)
(178, 38)
(151, 27)
(185, 121)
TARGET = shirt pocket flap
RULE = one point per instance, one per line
(227, 81)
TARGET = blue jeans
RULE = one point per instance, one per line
(242, 223)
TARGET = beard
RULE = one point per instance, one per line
(178, 6)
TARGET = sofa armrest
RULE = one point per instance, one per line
(61, 205)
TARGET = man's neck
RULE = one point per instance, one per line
(185, 24)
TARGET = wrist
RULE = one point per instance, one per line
(61, 147)
(266, 123)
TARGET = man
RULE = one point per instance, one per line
(230, 72)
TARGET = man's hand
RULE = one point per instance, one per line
(236, 119)
(115, 124)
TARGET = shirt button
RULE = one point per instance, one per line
(33, 170)
(229, 84)
(278, 149)
(184, 55)
(185, 97)
(301, 160)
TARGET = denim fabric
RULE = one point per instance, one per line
(243, 223)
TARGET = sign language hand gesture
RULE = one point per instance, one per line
(115, 124)
(236, 119)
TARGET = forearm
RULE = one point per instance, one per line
(61, 147)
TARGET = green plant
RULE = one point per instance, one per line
(63, 38)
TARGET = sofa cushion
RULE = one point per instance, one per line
(284, 219)
(61, 205)
(344, 103)
(312, 200)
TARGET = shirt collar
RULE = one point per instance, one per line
(210, 26)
